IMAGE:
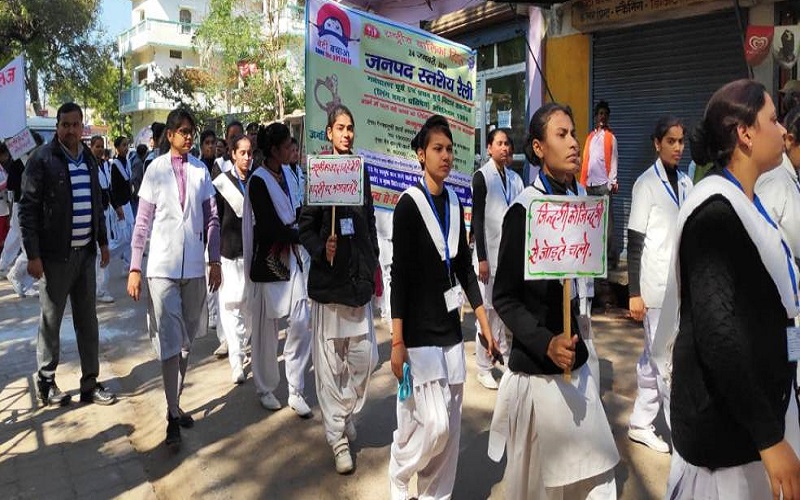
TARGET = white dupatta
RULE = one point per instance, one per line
(767, 239)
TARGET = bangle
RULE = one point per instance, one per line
(399, 342)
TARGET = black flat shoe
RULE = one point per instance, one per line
(173, 440)
(185, 420)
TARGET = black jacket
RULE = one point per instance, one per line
(731, 377)
(45, 209)
(271, 237)
(351, 279)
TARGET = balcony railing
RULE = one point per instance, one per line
(138, 98)
(156, 32)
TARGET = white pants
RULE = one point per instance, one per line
(743, 482)
(648, 399)
(231, 318)
(426, 441)
(342, 365)
(482, 359)
(13, 243)
(296, 349)
(385, 261)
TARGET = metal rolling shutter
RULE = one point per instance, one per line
(669, 67)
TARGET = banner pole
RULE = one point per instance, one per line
(567, 320)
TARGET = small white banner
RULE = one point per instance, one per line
(335, 180)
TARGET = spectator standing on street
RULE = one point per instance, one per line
(277, 282)
(721, 343)
(555, 431)
(494, 187)
(657, 196)
(178, 211)
(430, 254)
(231, 188)
(341, 283)
(61, 217)
(599, 168)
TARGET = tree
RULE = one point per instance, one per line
(186, 87)
(235, 35)
(102, 94)
(60, 39)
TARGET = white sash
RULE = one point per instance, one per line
(230, 191)
(430, 219)
(122, 169)
(767, 240)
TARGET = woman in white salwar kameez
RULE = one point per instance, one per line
(723, 346)
(555, 431)
(430, 254)
(276, 278)
(340, 285)
(231, 189)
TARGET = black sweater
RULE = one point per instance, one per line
(230, 225)
(120, 188)
(270, 234)
(532, 310)
(479, 212)
(419, 277)
(351, 279)
(731, 377)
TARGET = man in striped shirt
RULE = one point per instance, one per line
(62, 223)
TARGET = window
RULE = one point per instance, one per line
(141, 15)
(141, 76)
(175, 54)
(511, 52)
(485, 57)
(185, 17)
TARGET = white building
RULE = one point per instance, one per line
(160, 39)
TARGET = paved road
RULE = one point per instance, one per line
(237, 449)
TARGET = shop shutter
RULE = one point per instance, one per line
(669, 67)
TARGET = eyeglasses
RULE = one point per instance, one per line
(187, 133)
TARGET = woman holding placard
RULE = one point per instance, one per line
(430, 254)
(722, 343)
(657, 197)
(273, 264)
(555, 429)
(340, 286)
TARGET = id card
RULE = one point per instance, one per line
(347, 227)
(454, 298)
(793, 343)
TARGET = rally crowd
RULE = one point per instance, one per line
(220, 236)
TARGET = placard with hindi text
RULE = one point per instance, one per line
(335, 180)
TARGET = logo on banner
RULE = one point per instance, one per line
(757, 44)
(332, 39)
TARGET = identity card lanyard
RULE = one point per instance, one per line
(444, 226)
(763, 212)
(506, 189)
(668, 187)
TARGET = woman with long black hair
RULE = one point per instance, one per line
(721, 343)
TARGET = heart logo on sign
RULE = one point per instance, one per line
(759, 42)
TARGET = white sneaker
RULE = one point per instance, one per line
(299, 405)
(648, 438)
(105, 298)
(17, 286)
(238, 377)
(31, 292)
(270, 402)
(350, 430)
(342, 458)
(487, 380)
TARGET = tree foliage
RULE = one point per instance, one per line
(245, 31)
(186, 87)
(61, 40)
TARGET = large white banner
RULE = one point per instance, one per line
(12, 98)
